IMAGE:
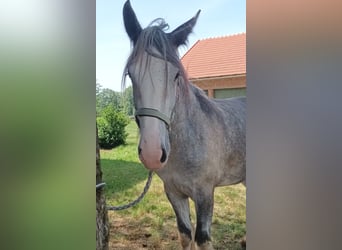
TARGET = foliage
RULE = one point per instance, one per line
(122, 101)
(107, 97)
(127, 101)
(98, 87)
(111, 127)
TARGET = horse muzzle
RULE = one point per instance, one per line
(152, 152)
(153, 159)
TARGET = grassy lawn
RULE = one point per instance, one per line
(152, 224)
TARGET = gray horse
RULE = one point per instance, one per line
(192, 142)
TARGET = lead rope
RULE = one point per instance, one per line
(136, 201)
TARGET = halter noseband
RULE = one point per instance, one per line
(153, 113)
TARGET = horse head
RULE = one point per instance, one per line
(156, 74)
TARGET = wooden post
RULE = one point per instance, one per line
(211, 93)
(102, 225)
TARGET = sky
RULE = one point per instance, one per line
(217, 18)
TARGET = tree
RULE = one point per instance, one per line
(121, 101)
(127, 100)
(107, 97)
(102, 225)
(98, 87)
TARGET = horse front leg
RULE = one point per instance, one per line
(204, 203)
(180, 205)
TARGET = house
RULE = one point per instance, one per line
(218, 65)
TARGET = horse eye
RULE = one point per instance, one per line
(177, 75)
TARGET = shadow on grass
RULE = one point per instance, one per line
(121, 175)
(228, 235)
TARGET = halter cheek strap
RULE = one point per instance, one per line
(153, 113)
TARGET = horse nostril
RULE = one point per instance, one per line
(139, 150)
(163, 157)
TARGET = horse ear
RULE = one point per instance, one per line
(131, 22)
(180, 35)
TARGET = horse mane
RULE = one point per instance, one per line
(157, 43)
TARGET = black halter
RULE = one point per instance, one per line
(153, 113)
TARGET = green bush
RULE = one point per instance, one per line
(111, 128)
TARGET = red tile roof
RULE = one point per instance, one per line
(215, 57)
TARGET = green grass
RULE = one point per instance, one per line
(151, 224)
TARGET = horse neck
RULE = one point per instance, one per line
(187, 108)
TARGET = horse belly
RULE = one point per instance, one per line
(234, 170)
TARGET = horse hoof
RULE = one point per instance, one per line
(205, 246)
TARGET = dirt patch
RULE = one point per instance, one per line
(132, 234)
(128, 234)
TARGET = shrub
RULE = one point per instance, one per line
(111, 128)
